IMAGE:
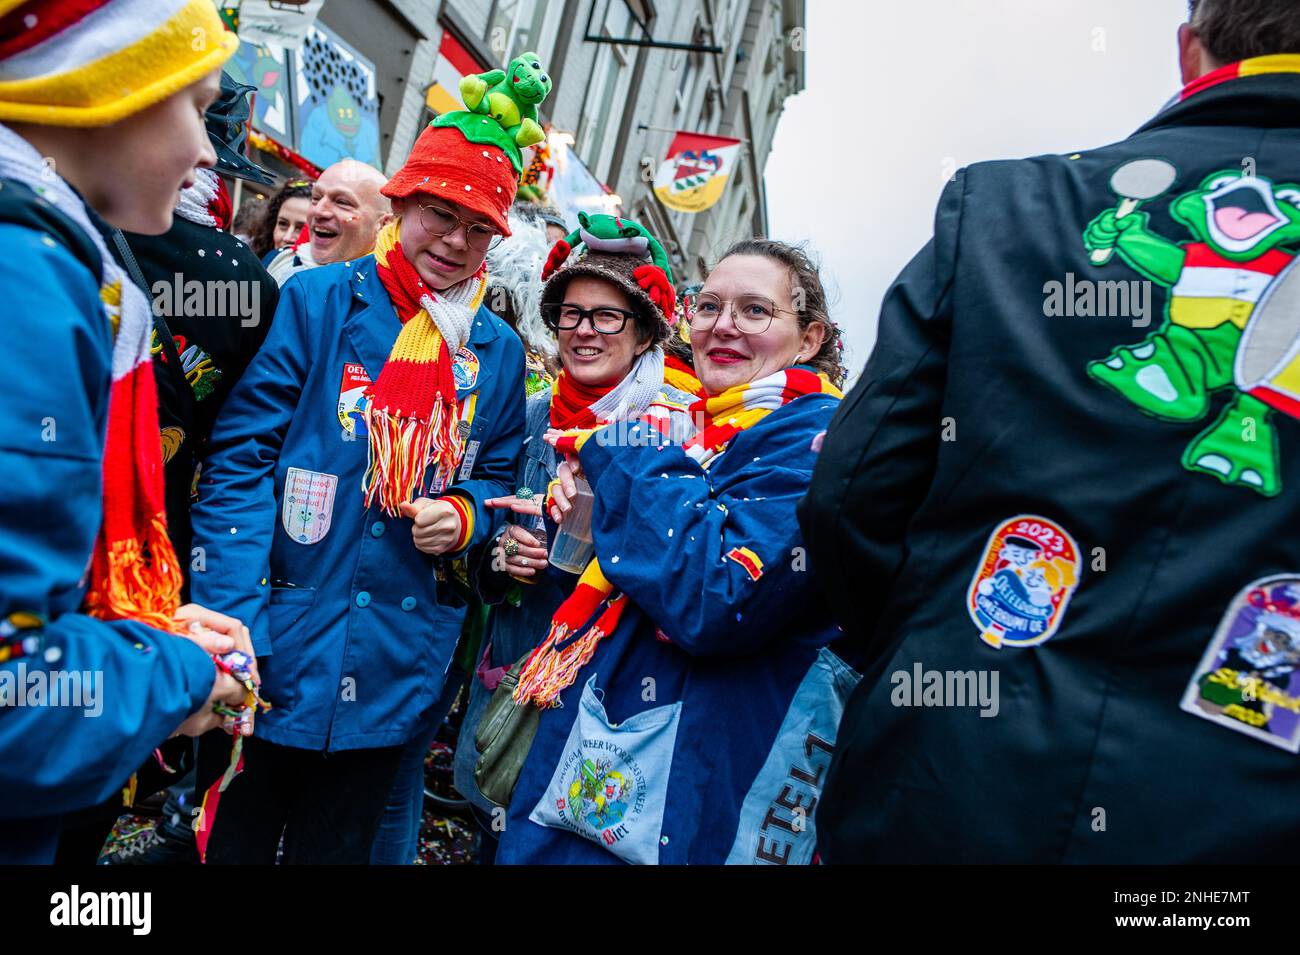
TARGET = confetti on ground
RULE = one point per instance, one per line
(448, 833)
(446, 840)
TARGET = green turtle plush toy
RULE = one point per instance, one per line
(502, 107)
(605, 233)
(511, 97)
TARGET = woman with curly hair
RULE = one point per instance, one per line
(286, 214)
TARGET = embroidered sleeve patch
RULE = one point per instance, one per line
(352, 395)
(464, 368)
(1249, 678)
(748, 559)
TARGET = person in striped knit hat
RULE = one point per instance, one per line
(345, 485)
(101, 105)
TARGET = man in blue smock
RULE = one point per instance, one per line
(347, 475)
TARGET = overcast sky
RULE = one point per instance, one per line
(899, 90)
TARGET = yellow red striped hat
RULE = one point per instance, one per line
(94, 62)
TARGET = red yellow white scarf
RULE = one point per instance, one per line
(726, 415)
(681, 376)
(134, 574)
(571, 403)
(555, 663)
(412, 418)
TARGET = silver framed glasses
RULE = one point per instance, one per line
(751, 314)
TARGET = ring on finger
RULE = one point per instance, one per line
(511, 548)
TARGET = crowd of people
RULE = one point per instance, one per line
(285, 485)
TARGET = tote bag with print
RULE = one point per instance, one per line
(612, 781)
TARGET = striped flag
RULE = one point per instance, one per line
(454, 64)
(695, 172)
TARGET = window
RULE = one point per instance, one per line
(776, 48)
(691, 65)
(610, 79)
(518, 26)
(707, 104)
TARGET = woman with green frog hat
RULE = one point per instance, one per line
(608, 309)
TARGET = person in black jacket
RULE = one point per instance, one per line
(1065, 478)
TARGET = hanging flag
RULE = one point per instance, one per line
(454, 64)
(696, 170)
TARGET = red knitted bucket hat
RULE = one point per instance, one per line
(445, 165)
(473, 157)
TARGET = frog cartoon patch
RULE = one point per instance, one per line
(1245, 231)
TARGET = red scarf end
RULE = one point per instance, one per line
(401, 449)
(127, 586)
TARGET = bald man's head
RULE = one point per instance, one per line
(347, 211)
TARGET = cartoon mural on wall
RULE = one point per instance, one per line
(267, 68)
(335, 101)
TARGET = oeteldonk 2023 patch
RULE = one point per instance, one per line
(1249, 678)
(1023, 583)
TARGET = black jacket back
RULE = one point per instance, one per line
(1042, 480)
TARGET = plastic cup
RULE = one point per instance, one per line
(573, 548)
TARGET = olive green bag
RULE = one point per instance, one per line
(503, 738)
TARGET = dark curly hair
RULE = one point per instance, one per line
(264, 240)
(810, 305)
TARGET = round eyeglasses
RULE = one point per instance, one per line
(441, 221)
(751, 314)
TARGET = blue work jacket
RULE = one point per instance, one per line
(354, 627)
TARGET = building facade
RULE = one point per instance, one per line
(622, 101)
(618, 96)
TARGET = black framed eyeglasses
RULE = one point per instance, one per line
(565, 316)
(441, 221)
(751, 314)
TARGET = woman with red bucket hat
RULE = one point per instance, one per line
(345, 484)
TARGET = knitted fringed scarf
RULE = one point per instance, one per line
(134, 574)
(571, 403)
(412, 417)
(555, 663)
(724, 416)
(681, 376)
